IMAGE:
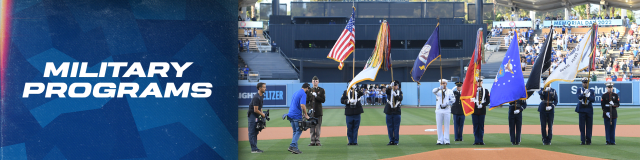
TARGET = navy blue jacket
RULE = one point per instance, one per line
(522, 105)
(551, 96)
(580, 108)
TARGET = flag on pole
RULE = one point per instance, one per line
(588, 62)
(509, 83)
(346, 43)
(542, 64)
(470, 85)
(578, 59)
(378, 57)
(430, 52)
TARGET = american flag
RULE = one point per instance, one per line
(345, 44)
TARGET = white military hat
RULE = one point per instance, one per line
(443, 80)
(609, 84)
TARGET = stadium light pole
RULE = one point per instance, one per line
(479, 5)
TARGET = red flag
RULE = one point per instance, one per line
(470, 84)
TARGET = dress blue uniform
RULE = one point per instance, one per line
(585, 112)
(393, 113)
(549, 99)
(515, 120)
(610, 102)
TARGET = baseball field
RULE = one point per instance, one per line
(418, 140)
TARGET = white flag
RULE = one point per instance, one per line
(577, 59)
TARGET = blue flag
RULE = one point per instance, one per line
(509, 83)
(430, 52)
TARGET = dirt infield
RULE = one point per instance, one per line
(341, 131)
(492, 153)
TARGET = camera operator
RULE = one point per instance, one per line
(255, 110)
(353, 109)
(297, 110)
(315, 98)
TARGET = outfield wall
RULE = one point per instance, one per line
(628, 92)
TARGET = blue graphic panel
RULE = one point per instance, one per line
(129, 31)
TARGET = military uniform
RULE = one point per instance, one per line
(352, 112)
(458, 114)
(584, 108)
(444, 100)
(480, 110)
(393, 113)
(610, 102)
(515, 120)
(549, 100)
(315, 103)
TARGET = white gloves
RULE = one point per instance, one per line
(516, 111)
(352, 101)
(480, 106)
(479, 88)
(547, 89)
(314, 94)
(393, 94)
(441, 87)
(608, 115)
(548, 108)
(587, 93)
(611, 103)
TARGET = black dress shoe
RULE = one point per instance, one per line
(312, 144)
(481, 143)
(583, 143)
(355, 144)
(613, 144)
(349, 144)
(513, 143)
(475, 143)
(517, 143)
(438, 143)
(390, 143)
(447, 144)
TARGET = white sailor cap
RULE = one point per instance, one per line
(443, 80)
(479, 79)
(585, 80)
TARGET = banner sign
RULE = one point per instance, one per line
(276, 95)
(518, 24)
(250, 24)
(567, 92)
(601, 22)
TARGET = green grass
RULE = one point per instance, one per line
(426, 116)
(374, 147)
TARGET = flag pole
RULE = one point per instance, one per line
(353, 67)
(442, 99)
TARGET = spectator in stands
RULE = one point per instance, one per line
(547, 18)
(615, 43)
(537, 24)
(332, 22)
(247, 44)
(635, 52)
(614, 77)
(569, 28)
(621, 50)
(529, 48)
(486, 47)
(506, 40)
(564, 28)
(245, 70)
(536, 40)
(528, 58)
(624, 67)
(607, 16)
(523, 64)
(593, 17)
(239, 18)
(273, 46)
(616, 67)
(255, 33)
(240, 45)
(618, 16)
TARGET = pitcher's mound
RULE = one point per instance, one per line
(492, 154)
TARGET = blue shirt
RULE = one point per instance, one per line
(300, 97)
(635, 52)
(529, 58)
